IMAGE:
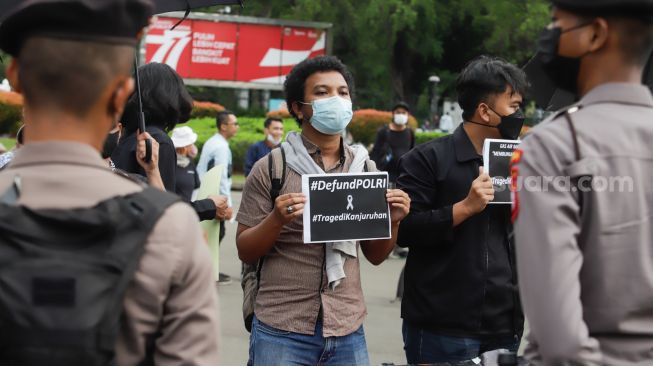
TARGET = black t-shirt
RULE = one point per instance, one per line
(124, 156)
(187, 181)
(390, 146)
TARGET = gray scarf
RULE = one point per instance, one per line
(300, 161)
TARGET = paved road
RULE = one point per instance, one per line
(382, 326)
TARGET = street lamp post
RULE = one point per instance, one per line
(435, 98)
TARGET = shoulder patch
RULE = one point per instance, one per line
(514, 186)
(567, 110)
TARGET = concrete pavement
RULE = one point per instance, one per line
(382, 326)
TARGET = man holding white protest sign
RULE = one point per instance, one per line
(460, 292)
(343, 207)
(309, 297)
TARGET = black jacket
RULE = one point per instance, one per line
(186, 181)
(389, 147)
(124, 156)
(458, 281)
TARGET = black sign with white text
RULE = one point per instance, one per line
(343, 207)
(496, 161)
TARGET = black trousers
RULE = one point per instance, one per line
(222, 232)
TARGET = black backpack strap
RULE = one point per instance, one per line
(368, 166)
(574, 136)
(277, 171)
(149, 205)
(577, 153)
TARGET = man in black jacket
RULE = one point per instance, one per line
(460, 297)
(393, 141)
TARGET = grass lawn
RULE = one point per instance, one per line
(238, 178)
(8, 142)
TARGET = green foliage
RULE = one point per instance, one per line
(423, 137)
(250, 131)
(205, 109)
(393, 46)
(363, 128)
(10, 118)
(366, 123)
(8, 143)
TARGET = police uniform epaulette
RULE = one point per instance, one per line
(134, 178)
(567, 110)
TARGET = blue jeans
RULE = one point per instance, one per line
(269, 346)
(423, 346)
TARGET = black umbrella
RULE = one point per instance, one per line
(164, 6)
(550, 98)
(161, 6)
(543, 90)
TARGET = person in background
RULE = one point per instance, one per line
(194, 151)
(7, 157)
(393, 141)
(273, 130)
(460, 290)
(215, 152)
(187, 179)
(166, 103)
(446, 123)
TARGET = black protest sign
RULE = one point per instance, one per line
(496, 160)
(343, 207)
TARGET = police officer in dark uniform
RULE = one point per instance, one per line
(583, 197)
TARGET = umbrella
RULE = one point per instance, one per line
(547, 96)
(161, 6)
(164, 6)
(543, 90)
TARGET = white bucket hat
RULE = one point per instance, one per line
(183, 136)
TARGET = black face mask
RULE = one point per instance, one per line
(563, 71)
(110, 144)
(510, 126)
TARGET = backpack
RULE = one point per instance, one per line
(64, 274)
(251, 273)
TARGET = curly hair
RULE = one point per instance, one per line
(295, 83)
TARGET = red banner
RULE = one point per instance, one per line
(231, 51)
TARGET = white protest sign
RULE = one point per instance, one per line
(496, 160)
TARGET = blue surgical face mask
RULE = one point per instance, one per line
(331, 115)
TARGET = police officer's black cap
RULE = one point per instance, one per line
(401, 104)
(102, 21)
(621, 7)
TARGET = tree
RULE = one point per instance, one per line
(393, 46)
